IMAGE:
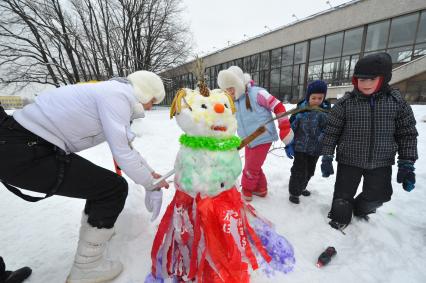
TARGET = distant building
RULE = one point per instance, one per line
(11, 102)
(325, 46)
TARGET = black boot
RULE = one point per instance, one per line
(17, 276)
(294, 199)
(306, 193)
(363, 207)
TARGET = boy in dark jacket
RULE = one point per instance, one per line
(369, 125)
(308, 128)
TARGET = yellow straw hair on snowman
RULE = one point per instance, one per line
(176, 106)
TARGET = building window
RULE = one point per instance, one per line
(401, 54)
(353, 41)
(420, 50)
(347, 68)
(276, 58)
(254, 63)
(287, 55)
(331, 70)
(317, 49)
(300, 52)
(333, 45)
(264, 61)
(377, 36)
(314, 70)
(275, 82)
(239, 63)
(403, 30)
(421, 34)
(285, 85)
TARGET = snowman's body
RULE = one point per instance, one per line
(205, 234)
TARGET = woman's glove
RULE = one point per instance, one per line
(406, 175)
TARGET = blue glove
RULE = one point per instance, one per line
(406, 175)
(327, 166)
(289, 150)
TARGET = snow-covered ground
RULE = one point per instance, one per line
(391, 247)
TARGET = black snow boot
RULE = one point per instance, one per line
(294, 199)
(17, 276)
(306, 193)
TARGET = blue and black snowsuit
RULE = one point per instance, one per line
(308, 128)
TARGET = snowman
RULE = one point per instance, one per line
(208, 233)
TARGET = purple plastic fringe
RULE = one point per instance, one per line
(280, 250)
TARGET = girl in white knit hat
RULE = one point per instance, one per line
(38, 145)
(254, 107)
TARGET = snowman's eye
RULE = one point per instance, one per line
(203, 106)
(226, 105)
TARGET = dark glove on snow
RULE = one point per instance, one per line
(406, 174)
(327, 166)
(289, 150)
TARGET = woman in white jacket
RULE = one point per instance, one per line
(38, 145)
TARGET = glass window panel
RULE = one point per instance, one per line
(298, 74)
(239, 63)
(420, 49)
(421, 34)
(286, 76)
(314, 71)
(403, 30)
(351, 67)
(300, 52)
(264, 60)
(333, 45)
(331, 71)
(376, 36)
(264, 79)
(297, 94)
(255, 77)
(285, 94)
(275, 79)
(276, 58)
(401, 54)
(254, 63)
(302, 74)
(353, 40)
(317, 49)
(287, 55)
(246, 61)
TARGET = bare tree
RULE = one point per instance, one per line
(60, 42)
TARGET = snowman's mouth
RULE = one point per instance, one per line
(219, 128)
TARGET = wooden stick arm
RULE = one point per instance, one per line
(252, 136)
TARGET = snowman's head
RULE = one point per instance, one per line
(199, 115)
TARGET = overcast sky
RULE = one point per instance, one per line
(217, 23)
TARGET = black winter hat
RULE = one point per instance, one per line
(374, 65)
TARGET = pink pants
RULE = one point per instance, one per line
(253, 177)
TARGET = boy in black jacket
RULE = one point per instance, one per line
(369, 125)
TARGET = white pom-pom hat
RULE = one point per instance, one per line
(147, 86)
(233, 77)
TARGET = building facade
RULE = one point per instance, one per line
(11, 102)
(323, 46)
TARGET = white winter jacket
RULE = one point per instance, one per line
(77, 117)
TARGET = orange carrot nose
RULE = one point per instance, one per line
(219, 108)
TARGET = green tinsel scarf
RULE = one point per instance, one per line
(210, 143)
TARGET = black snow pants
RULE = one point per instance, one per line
(301, 172)
(376, 187)
(31, 163)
